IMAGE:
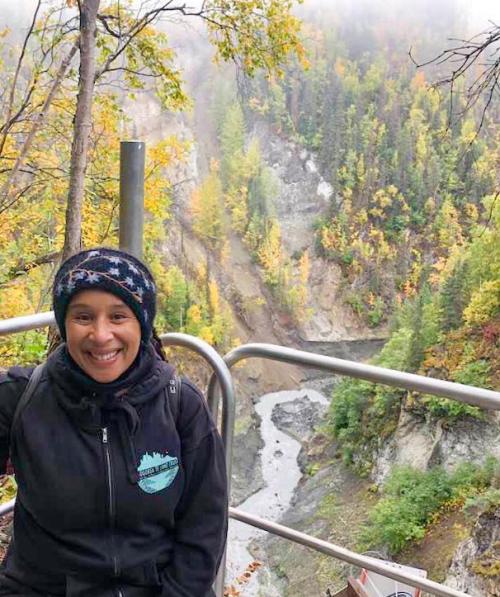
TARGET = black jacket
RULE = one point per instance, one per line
(119, 494)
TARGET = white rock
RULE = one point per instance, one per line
(324, 189)
(311, 167)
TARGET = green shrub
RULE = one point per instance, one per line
(450, 409)
(476, 373)
(412, 497)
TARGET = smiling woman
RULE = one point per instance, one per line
(120, 468)
(103, 335)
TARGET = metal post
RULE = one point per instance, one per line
(132, 158)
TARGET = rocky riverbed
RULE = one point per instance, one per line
(298, 412)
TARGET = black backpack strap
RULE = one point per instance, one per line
(26, 396)
(174, 390)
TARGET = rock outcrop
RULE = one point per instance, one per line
(475, 568)
(422, 443)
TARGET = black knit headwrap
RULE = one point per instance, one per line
(112, 271)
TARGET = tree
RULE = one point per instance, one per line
(208, 210)
(255, 35)
(82, 124)
(232, 142)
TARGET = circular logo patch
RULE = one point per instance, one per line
(157, 471)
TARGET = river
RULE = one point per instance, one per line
(281, 474)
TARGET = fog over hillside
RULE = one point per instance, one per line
(478, 14)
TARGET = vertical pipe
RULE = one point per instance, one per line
(132, 158)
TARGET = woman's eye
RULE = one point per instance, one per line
(83, 317)
(118, 316)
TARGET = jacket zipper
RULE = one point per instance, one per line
(111, 501)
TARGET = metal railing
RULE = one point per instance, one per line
(486, 399)
(340, 553)
(221, 371)
(483, 398)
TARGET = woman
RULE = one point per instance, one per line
(121, 478)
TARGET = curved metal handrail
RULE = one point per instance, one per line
(487, 399)
(341, 553)
(26, 322)
(224, 378)
(476, 396)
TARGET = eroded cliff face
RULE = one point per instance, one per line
(303, 196)
(423, 443)
(475, 568)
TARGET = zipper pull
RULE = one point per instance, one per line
(104, 435)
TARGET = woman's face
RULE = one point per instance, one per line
(102, 334)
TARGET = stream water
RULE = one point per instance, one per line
(281, 474)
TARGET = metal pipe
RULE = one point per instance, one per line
(223, 375)
(224, 378)
(132, 160)
(7, 506)
(345, 555)
(26, 322)
(487, 399)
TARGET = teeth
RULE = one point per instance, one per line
(104, 357)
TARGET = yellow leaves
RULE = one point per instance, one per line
(271, 255)
(339, 68)
(421, 147)
(194, 314)
(471, 212)
(14, 301)
(484, 304)
(259, 33)
(468, 132)
(430, 206)
(362, 217)
(449, 229)
(213, 296)
(237, 202)
(207, 211)
(376, 212)
(304, 267)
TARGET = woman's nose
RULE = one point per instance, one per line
(101, 331)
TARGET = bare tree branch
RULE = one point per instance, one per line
(13, 86)
(482, 52)
(5, 199)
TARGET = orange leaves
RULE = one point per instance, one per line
(243, 579)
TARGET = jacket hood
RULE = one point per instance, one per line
(147, 376)
(93, 405)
